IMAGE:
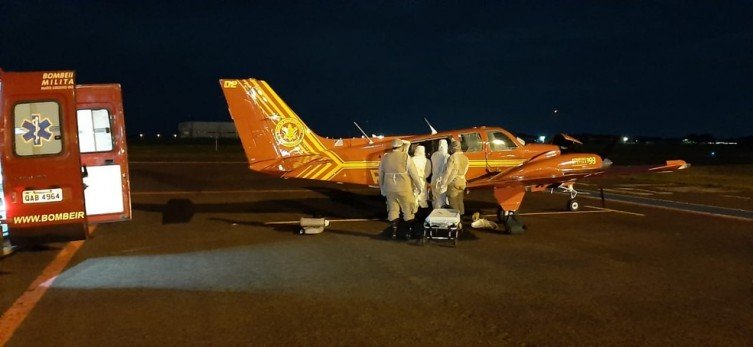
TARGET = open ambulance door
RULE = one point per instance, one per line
(104, 155)
(43, 197)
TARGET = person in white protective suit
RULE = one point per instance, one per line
(399, 182)
(438, 164)
(423, 167)
(454, 177)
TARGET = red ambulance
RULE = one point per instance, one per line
(64, 164)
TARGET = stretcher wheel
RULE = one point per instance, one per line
(573, 205)
(457, 235)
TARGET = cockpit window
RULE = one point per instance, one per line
(498, 141)
(471, 142)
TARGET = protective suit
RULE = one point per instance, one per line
(438, 163)
(454, 177)
(423, 167)
(399, 182)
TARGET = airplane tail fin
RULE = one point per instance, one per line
(273, 136)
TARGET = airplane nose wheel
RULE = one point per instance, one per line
(573, 205)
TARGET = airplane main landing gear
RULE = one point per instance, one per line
(510, 220)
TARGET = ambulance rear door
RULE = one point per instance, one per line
(104, 155)
(41, 166)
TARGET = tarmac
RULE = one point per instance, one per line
(200, 264)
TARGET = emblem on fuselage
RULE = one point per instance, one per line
(289, 132)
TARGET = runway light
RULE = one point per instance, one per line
(542, 138)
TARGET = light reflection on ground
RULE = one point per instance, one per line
(278, 267)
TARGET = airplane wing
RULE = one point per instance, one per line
(510, 186)
(512, 177)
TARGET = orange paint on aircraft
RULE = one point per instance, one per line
(277, 142)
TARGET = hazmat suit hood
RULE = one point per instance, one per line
(456, 147)
(442, 146)
(397, 143)
(420, 151)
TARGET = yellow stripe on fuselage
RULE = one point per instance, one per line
(316, 175)
(262, 101)
(310, 174)
(272, 109)
(283, 108)
(305, 171)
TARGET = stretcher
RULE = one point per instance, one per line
(442, 224)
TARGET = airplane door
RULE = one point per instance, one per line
(502, 152)
(41, 167)
(104, 155)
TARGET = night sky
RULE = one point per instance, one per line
(616, 67)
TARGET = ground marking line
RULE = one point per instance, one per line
(184, 192)
(294, 222)
(552, 213)
(187, 162)
(15, 315)
(737, 197)
(260, 191)
(627, 191)
(617, 211)
(644, 190)
(674, 202)
(677, 209)
(330, 220)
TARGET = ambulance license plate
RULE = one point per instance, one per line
(43, 195)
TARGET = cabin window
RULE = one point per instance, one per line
(498, 141)
(471, 142)
(94, 131)
(37, 128)
(431, 146)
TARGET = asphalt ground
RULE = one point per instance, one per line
(197, 265)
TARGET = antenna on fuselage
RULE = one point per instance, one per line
(364, 133)
(433, 131)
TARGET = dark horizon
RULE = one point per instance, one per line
(651, 69)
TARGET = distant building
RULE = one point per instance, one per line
(194, 130)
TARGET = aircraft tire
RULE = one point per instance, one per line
(573, 205)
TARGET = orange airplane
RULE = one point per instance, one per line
(277, 142)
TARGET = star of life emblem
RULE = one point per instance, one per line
(37, 130)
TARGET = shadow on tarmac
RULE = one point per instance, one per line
(384, 235)
(336, 204)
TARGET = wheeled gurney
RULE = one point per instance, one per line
(442, 224)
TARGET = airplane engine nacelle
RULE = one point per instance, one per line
(557, 166)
